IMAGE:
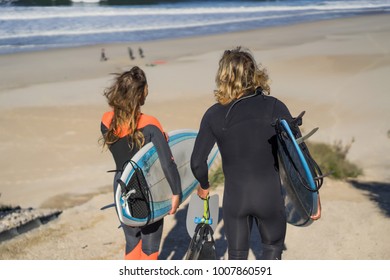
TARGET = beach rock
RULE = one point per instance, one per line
(15, 220)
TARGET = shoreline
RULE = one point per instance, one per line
(171, 49)
(52, 102)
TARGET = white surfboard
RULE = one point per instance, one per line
(181, 143)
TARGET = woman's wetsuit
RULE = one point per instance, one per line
(148, 238)
(246, 139)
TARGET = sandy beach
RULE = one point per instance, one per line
(51, 103)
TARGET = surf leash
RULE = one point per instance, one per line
(206, 213)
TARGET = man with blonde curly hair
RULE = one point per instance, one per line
(241, 123)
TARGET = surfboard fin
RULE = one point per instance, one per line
(108, 206)
(323, 176)
(298, 120)
(307, 136)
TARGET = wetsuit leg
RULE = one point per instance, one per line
(151, 238)
(237, 230)
(273, 231)
(143, 243)
(133, 242)
(271, 252)
(238, 218)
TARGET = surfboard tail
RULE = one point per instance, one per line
(202, 211)
(301, 176)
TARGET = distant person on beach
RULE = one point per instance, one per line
(241, 125)
(103, 55)
(141, 52)
(130, 53)
(125, 130)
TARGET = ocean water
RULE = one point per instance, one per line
(28, 25)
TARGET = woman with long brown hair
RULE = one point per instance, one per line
(125, 130)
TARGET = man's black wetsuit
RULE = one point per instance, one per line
(246, 139)
(121, 151)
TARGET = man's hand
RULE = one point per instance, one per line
(202, 193)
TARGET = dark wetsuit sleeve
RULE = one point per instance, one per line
(166, 159)
(103, 128)
(203, 144)
(281, 111)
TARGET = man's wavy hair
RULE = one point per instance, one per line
(238, 74)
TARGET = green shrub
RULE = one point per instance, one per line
(332, 158)
(216, 176)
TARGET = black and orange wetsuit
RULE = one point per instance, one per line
(143, 243)
(246, 139)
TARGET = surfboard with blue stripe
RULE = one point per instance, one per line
(301, 195)
(181, 143)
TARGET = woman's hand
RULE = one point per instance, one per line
(175, 204)
(202, 193)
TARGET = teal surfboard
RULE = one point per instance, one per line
(297, 177)
(181, 143)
